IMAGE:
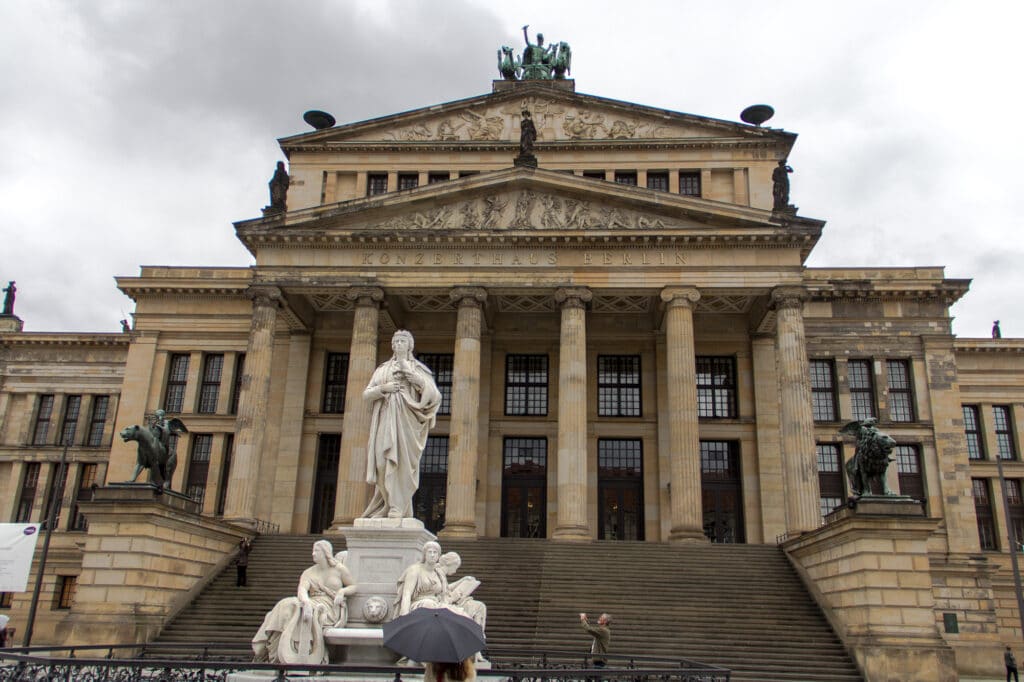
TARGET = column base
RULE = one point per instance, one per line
(459, 531)
(691, 536)
(572, 534)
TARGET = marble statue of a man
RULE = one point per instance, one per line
(405, 402)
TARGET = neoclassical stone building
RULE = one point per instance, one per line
(628, 341)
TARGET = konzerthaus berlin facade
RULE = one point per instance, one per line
(628, 341)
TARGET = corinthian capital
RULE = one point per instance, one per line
(468, 296)
(365, 296)
(680, 296)
(573, 297)
(789, 298)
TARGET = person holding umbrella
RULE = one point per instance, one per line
(462, 671)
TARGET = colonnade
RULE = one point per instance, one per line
(685, 508)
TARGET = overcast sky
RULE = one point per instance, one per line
(136, 132)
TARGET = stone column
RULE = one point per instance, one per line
(240, 505)
(800, 465)
(460, 505)
(685, 508)
(572, 416)
(351, 498)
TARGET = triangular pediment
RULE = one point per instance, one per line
(559, 117)
(527, 200)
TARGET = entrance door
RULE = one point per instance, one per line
(428, 503)
(720, 488)
(325, 484)
(620, 490)
(524, 488)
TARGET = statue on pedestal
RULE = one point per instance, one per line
(278, 190)
(293, 631)
(154, 448)
(405, 403)
(9, 293)
(871, 458)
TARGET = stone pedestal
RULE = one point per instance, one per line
(869, 570)
(147, 555)
(11, 323)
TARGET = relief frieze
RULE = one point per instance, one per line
(490, 258)
(523, 210)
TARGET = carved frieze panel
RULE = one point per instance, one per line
(609, 303)
(527, 209)
(556, 119)
(525, 303)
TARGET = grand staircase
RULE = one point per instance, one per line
(738, 606)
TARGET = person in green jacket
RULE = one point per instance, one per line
(602, 635)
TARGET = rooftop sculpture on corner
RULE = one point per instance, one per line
(539, 62)
(278, 190)
(780, 188)
(9, 292)
(871, 458)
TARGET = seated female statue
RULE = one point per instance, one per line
(293, 631)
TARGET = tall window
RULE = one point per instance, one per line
(1015, 502)
(68, 425)
(213, 367)
(408, 180)
(376, 183)
(908, 469)
(983, 510)
(86, 479)
(98, 420)
(428, 504)
(618, 385)
(625, 177)
(689, 183)
(64, 598)
(823, 390)
(716, 387)
(526, 385)
(199, 466)
(862, 388)
(6, 600)
(1004, 431)
(830, 478)
(433, 178)
(335, 381)
(177, 375)
(27, 495)
(441, 365)
(972, 429)
(658, 181)
(55, 491)
(44, 413)
(524, 488)
(620, 513)
(236, 388)
(901, 401)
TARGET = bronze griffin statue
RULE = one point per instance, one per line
(871, 458)
(155, 452)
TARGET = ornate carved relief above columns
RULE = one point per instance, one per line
(572, 416)
(800, 468)
(352, 490)
(685, 509)
(460, 508)
(240, 505)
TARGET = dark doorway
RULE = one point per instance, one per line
(620, 501)
(428, 503)
(325, 484)
(524, 488)
(720, 488)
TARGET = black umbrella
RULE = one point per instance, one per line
(434, 635)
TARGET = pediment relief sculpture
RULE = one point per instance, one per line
(527, 209)
(500, 122)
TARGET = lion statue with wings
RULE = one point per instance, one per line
(871, 458)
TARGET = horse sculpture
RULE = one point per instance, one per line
(871, 458)
(153, 451)
(562, 63)
(508, 65)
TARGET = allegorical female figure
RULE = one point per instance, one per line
(424, 584)
(405, 402)
(293, 631)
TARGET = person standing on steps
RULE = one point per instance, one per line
(1011, 665)
(242, 562)
(602, 635)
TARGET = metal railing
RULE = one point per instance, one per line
(215, 662)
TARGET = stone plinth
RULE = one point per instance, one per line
(869, 570)
(146, 555)
(11, 323)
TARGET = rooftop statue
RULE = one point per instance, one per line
(278, 189)
(155, 452)
(9, 292)
(539, 62)
(780, 186)
(871, 458)
(405, 402)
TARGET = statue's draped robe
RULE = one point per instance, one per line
(398, 433)
(285, 638)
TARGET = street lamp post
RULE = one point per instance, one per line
(1014, 546)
